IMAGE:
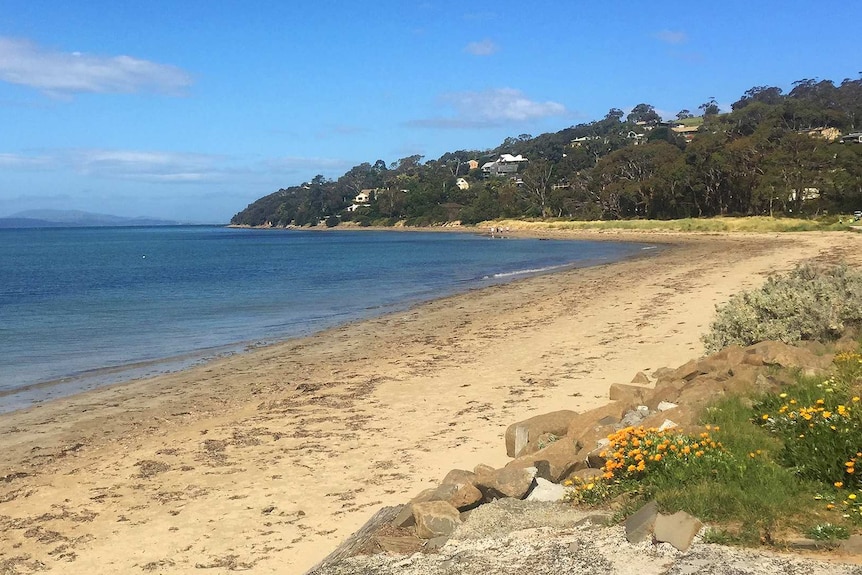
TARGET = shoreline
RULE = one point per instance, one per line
(97, 377)
(269, 458)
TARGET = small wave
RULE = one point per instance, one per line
(502, 275)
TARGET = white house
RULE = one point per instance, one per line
(363, 198)
(462, 184)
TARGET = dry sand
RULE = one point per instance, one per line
(266, 460)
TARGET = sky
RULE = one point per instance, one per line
(192, 110)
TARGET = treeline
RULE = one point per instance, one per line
(774, 154)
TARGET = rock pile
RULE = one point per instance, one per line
(550, 448)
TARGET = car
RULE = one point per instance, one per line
(857, 215)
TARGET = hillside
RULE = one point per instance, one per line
(773, 154)
(75, 218)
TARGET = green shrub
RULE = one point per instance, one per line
(813, 302)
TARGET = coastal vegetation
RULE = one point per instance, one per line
(774, 154)
(765, 463)
(781, 462)
(811, 303)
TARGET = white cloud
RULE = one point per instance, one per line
(502, 104)
(489, 109)
(483, 48)
(671, 36)
(61, 73)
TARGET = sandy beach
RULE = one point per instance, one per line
(266, 460)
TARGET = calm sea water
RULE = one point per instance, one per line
(85, 307)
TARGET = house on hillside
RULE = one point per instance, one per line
(362, 199)
(462, 184)
(505, 165)
(828, 134)
(854, 138)
(473, 164)
(687, 132)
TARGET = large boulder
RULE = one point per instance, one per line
(435, 519)
(556, 460)
(629, 395)
(520, 435)
(514, 482)
(784, 355)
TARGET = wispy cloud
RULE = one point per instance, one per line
(169, 167)
(21, 161)
(482, 48)
(490, 108)
(671, 36)
(63, 73)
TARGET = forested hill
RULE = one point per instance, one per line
(796, 153)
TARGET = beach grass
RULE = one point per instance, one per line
(749, 224)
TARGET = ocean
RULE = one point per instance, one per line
(84, 307)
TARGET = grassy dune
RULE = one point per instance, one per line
(724, 224)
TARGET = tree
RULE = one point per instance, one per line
(644, 113)
(537, 183)
(710, 107)
(769, 95)
(615, 114)
(684, 115)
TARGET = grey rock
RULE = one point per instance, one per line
(678, 529)
(639, 526)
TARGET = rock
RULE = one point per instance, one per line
(641, 378)
(554, 462)
(462, 496)
(628, 395)
(662, 373)
(587, 423)
(805, 544)
(665, 405)
(435, 543)
(732, 355)
(483, 469)
(851, 546)
(511, 481)
(784, 355)
(546, 491)
(688, 371)
(405, 517)
(666, 390)
(435, 519)
(639, 526)
(457, 476)
(519, 435)
(633, 418)
(667, 424)
(678, 529)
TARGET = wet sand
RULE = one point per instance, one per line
(264, 461)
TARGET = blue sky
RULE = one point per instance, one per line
(191, 110)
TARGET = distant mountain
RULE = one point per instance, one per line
(75, 218)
